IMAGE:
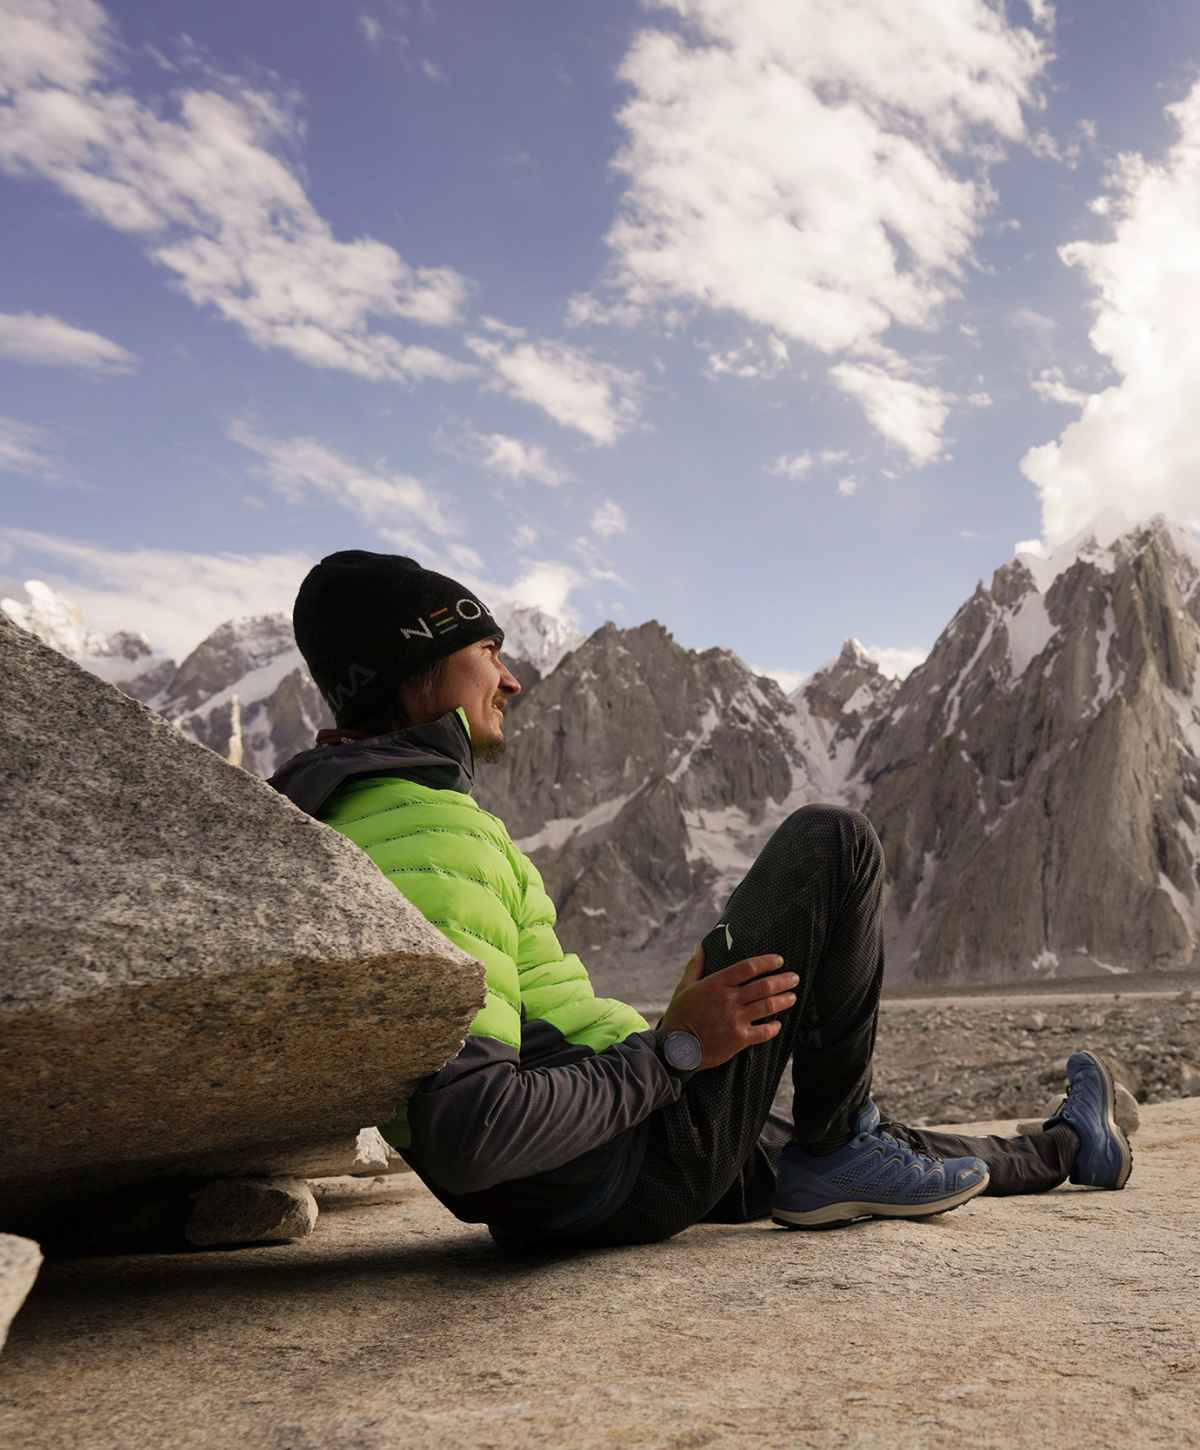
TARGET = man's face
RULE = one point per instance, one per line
(477, 678)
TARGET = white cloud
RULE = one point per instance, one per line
(433, 72)
(211, 195)
(586, 309)
(981, 399)
(464, 556)
(175, 597)
(1136, 447)
(1049, 148)
(525, 536)
(597, 566)
(505, 329)
(752, 360)
(906, 412)
(792, 465)
(372, 30)
(1052, 387)
(1038, 330)
(830, 456)
(21, 450)
(896, 660)
(300, 466)
(32, 337)
(847, 487)
(609, 519)
(788, 680)
(514, 458)
(575, 389)
(547, 585)
(813, 167)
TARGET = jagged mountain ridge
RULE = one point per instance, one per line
(244, 691)
(1036, 782)
(647, 808)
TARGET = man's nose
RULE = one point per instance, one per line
(510, 684)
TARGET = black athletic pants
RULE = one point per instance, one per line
(813, 897)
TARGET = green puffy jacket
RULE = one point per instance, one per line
(537, 1114)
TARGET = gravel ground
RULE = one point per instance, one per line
(1068, 1318)
(1006, 1058)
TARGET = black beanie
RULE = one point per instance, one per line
(364, 622)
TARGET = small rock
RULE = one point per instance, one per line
(251, 1211)
(1037, 1021)
(1189, 1080)
(20, 1260)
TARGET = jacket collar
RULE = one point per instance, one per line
(437, 754)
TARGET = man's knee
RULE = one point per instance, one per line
(850, 828)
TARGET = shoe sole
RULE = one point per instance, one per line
(834, 1215)
(1110, 1117)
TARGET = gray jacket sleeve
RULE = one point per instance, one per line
(484, 1119)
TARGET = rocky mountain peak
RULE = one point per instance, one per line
(537, 637)
(852, 685)
(226, 656)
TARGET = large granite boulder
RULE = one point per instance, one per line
(191, 964)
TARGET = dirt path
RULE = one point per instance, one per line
(1069, 1318)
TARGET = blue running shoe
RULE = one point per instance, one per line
(1104, 1159)
(872, 1176)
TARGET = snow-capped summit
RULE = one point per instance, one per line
(1097, 543)
(539, 638)
(60, 624)
(123, 658)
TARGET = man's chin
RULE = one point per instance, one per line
(491, 749)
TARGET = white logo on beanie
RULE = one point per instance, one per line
(444, 621)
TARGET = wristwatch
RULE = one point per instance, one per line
(680, 1050)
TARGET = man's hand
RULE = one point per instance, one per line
(723, 1010)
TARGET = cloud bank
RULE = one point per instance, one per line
(1135, 445)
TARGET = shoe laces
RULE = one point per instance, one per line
(926, 1160)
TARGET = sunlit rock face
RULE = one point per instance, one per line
(1036, 782)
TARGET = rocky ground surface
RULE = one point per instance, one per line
(969, 1058)
(1066, 1318)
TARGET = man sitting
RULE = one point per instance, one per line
(566, 1117)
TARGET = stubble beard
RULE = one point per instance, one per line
(490, 750)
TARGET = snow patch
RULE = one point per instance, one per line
(1029, 632)
(1104, 679)
(1045, 964)
(964, 674)
(708, 723)
(1185, 909)
(557, 832)
(257, 684)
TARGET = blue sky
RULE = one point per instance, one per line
(773, 321)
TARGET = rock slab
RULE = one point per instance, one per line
(192, 964)
(20, 1260)
(251, 1211)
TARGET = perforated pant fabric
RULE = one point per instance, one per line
(813, 897)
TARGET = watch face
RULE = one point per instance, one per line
(683, 1050)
